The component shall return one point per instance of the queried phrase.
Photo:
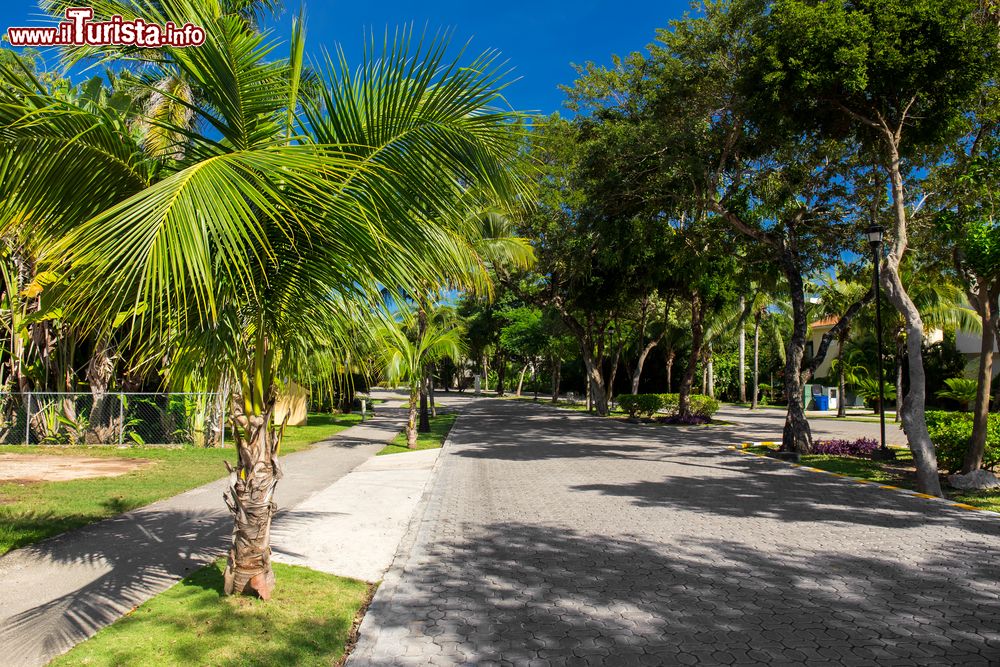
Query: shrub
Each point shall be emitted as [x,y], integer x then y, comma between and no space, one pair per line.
[703,406]
[961,390]
[640,404]
[859,447]
[951,433]
[670,403]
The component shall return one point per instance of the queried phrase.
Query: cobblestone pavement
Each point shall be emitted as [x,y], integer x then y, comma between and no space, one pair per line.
[552,537]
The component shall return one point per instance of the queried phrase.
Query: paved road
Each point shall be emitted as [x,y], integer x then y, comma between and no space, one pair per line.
[552,537]
[60,591]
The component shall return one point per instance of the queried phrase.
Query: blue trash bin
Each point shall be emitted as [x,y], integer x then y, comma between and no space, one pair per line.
[822,402]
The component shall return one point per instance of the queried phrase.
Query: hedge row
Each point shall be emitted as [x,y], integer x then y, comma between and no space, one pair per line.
[951,433]
[650,404]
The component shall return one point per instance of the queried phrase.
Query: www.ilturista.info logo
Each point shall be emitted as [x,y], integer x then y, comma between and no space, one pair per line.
[79,30]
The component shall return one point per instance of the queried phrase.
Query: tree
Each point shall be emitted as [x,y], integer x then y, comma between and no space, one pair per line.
[406,347]
[894,77]
[836,296]
[270,235]
[969,225]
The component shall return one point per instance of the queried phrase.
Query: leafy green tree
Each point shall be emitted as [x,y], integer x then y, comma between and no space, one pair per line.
[894,77]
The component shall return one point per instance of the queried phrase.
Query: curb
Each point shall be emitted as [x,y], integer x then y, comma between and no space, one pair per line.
[380,606]
[743,446]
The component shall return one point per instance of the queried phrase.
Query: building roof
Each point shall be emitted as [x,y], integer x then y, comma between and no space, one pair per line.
[826,321]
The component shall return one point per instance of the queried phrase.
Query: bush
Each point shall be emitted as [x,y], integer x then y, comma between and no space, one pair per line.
[640,404]
[703,406]
[670,403]
[951,433]
[859,447]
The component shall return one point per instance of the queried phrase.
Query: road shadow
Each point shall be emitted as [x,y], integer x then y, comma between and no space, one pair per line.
[517,592]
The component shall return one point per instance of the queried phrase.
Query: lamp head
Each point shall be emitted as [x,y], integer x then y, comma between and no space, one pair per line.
[874,234]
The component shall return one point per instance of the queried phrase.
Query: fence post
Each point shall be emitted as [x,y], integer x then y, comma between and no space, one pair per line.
[121,419]
[27,419]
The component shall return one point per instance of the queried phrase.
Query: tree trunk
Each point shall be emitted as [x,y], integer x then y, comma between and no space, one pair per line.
[425,421]
[250,498]
[986,304]
[501,365]
[637,374]
[598,395]
[743,355]
[105,425]
[697,336]
[900,355]
[486,374]
[411,420]
[796,435]
[710,369]
[520,380]
[841,380]
[430,393]
[912,413]
[756,359]
[671,354]
[614,373]
[556,377]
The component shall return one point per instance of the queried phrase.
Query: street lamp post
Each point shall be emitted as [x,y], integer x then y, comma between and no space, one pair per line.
[875,239]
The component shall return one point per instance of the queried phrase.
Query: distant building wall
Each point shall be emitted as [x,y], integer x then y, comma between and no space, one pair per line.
[294,401]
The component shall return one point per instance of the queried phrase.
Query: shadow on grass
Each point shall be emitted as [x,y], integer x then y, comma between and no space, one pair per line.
[125,559]
[307,622]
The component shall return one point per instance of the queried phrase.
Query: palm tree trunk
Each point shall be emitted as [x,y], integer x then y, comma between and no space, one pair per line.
[841,380]
[430,393]
[250,498]
[756,360]
[411,421]
[743,354]
[425,422]
[710,370]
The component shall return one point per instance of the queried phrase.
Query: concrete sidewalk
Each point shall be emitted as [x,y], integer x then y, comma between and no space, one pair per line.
[353,527]
[62,590]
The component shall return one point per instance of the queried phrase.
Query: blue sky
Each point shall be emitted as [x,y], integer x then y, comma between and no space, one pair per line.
[539,40]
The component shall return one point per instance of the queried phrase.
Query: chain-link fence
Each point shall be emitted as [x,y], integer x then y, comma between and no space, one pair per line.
[112,418]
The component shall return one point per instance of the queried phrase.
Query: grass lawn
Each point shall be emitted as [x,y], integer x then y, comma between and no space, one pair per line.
[895,473]
[33,511]
[307,622]
[440,426]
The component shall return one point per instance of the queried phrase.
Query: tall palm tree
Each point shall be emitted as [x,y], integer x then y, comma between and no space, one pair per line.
[269,235]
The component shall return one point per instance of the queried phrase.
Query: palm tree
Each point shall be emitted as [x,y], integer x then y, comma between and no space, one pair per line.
[267,237]
[836,296]
[406,348]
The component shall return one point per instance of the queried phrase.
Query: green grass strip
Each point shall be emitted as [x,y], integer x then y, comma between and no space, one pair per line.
[307,623]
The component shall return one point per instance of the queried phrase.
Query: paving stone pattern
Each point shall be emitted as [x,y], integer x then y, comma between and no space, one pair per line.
[554,538]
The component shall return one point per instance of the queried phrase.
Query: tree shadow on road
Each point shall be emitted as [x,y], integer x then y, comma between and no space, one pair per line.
[517,592]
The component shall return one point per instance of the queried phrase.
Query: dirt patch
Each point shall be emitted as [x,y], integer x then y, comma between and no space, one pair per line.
[42,468]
